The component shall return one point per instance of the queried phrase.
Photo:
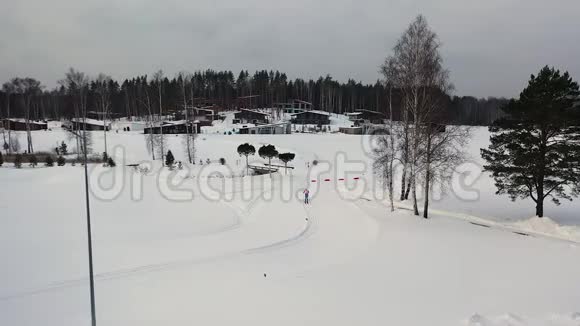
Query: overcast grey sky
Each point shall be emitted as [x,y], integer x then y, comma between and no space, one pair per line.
[491,47]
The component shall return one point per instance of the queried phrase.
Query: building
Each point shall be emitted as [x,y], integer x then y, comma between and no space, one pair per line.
[174,127]
[251,116]
[312,117]
[99,115]
[90,124]
[269,129]
[295,106]
[20,124]
[365,129]
[351,130]
[367,116]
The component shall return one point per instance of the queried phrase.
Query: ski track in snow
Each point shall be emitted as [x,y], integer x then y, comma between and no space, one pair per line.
[129,272]
[510,319]
[310,228]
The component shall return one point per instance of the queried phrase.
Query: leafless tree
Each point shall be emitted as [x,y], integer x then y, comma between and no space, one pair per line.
[158,78]
[76,84]
[150,124]
[103,98]
[441,152]
[29,89]
[386,154]
[8,89]
[416,69]
[189,137]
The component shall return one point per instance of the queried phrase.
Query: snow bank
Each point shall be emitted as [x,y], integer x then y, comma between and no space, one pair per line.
[548,227]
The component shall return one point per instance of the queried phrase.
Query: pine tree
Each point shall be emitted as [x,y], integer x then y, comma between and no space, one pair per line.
[60,161]
[535,150]
[169,159]
[110,162]
[286,157]
[246,150]
[269,152]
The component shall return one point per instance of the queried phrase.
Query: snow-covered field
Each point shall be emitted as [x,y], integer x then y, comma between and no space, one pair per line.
[194,248]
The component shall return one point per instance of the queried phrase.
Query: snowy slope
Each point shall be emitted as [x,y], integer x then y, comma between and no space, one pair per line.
[255,255]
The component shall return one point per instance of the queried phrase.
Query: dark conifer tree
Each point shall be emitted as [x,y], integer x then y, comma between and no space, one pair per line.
[268,152]
[169,159]
[286,157]
[246,150]
[535,149]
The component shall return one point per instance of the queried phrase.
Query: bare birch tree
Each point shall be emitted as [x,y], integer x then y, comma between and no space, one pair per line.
[386,154]
[8,89]
[189,137]
[77,83]
[28,89]
[158,78]
[150,138]
[416,69]
[103,98]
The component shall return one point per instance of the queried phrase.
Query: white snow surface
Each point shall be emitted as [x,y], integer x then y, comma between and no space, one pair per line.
[257,256]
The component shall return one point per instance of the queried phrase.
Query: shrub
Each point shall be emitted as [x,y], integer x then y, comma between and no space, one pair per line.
[222,161]
[169,159]
[60,161]
[111,162]
[49,161]
[1,159]
[18,161]
[63,148]
[33,160]
[315,162]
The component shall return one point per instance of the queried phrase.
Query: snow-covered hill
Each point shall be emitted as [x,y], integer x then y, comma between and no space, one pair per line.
[192,247]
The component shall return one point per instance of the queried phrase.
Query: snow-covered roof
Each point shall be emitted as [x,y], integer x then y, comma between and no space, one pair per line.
[255,111]
[32,122]
[370,111]
[353,113]
[177,122]
[266,125]
[313,111]
[89,121]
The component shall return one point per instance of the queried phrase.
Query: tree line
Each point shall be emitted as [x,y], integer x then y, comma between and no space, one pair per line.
[135,97]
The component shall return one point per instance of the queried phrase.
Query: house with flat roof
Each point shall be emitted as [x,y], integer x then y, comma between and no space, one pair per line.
[282,128]
[174,127]
[251,116]
[20,124]
[90,124]
[312,117]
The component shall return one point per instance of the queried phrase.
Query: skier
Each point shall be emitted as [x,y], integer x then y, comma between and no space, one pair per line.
[306,194]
